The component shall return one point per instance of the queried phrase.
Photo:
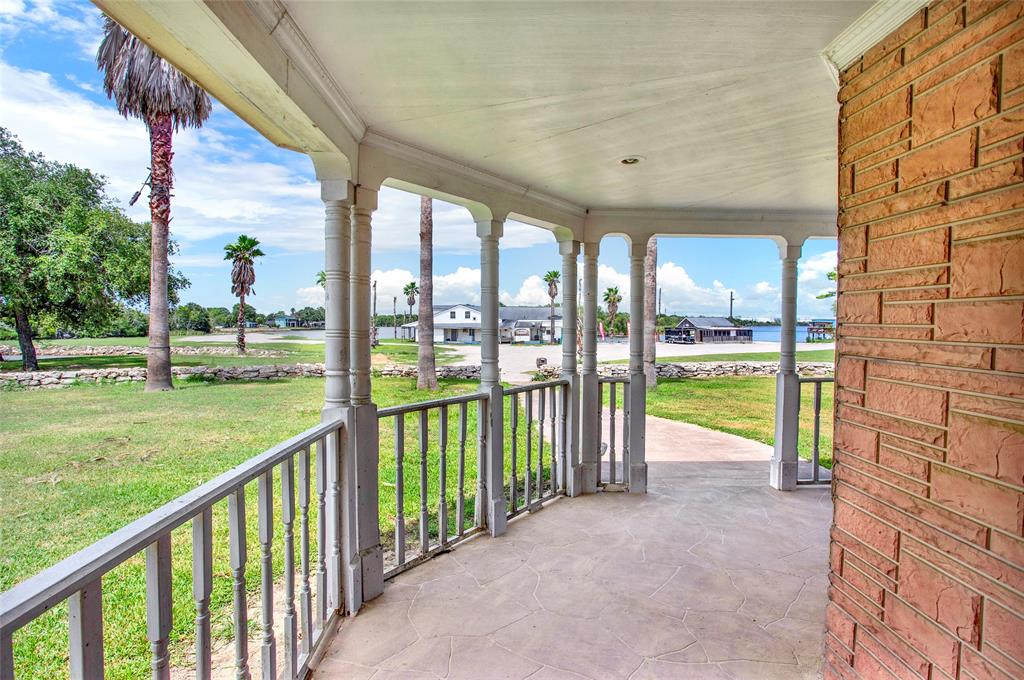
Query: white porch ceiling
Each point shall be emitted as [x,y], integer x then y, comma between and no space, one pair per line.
[729,102]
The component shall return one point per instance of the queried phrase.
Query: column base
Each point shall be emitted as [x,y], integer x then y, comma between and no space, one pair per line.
[787,425]
[590,434]
[371,555]
[494,479]
[638,478]
[782,474]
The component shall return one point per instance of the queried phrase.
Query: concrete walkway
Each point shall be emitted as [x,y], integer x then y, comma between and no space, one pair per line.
[710,575]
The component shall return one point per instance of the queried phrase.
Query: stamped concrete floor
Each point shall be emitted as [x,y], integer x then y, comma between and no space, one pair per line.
[709,575]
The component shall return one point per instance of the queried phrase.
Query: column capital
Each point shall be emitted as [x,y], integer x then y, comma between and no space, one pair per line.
[340,190]
[569,247]
[365,199]
[638,247]
[490,228]
[790,252]
[591,248]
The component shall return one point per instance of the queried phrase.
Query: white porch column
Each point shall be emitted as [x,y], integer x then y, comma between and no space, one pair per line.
[784,462]
[637,379]
[492,491]
[364,410]
[590,432]
[570,250]
[343,571]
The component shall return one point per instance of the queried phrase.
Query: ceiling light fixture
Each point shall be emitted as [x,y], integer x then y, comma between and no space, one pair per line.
[631,160]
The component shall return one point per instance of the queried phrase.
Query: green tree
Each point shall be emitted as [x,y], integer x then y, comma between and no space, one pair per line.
[67,253]
[250,315]
[832,276]
[220,317]
[243,254]
[150,89]
[612,298]
[552,278]
[191,317]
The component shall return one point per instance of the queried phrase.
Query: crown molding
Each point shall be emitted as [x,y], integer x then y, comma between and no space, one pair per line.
[880,20]
[431,160]
[282,28]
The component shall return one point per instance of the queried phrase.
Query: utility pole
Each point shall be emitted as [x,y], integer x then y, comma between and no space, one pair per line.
[660,291]
[394,315]
[730,304]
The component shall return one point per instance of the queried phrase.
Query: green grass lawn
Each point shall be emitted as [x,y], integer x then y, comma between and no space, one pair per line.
[79,463]
[743,406]
[292,353]
[806,355]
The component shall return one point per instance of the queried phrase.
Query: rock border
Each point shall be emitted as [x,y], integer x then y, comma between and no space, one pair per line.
[56,379]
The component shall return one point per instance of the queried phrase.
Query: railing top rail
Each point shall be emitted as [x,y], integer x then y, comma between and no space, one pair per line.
[535,386]
[611,379]
[432,403]
[817,379]
[35,595]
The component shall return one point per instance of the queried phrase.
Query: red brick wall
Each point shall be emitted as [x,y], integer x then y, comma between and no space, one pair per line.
[927,559]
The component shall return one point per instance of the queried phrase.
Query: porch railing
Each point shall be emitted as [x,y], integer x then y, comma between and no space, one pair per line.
[613,450]
[815,477]
[447,530]
[78,579]
[532,409]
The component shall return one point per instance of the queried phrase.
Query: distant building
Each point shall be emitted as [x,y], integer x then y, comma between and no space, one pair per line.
[461,324]
[709,329]
[821,329]
[286,321]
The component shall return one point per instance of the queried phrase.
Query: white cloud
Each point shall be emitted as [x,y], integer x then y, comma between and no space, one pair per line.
[80,21]
[220,189]
[313,296]
[461,285]
[532,292]
[764,288]
[817,266]
[398,218]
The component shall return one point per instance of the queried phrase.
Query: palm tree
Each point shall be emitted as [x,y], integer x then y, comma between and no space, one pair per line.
[147,87]
[242,254]
[426,370]
[650,327]
[321,279]
[410,291]
[612,298]
[552,278]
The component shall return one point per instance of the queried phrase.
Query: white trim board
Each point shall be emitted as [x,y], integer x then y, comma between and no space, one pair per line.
[883,18]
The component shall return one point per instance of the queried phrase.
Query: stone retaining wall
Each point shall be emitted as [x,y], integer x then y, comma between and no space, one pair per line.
[51,379]
[128,350]
[450,372]
[704,369]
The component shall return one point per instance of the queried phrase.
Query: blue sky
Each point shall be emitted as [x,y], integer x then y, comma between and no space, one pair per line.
[230,180]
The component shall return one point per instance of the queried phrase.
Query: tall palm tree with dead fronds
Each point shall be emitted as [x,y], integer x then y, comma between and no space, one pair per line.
[552,278]
[612,298]
[426,365]
[145,86]
[243,254]
[650,321]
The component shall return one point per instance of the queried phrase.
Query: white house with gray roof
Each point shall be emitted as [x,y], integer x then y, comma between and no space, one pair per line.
[461,324]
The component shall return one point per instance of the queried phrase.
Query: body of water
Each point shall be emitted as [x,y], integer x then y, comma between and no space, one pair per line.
[774,333]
